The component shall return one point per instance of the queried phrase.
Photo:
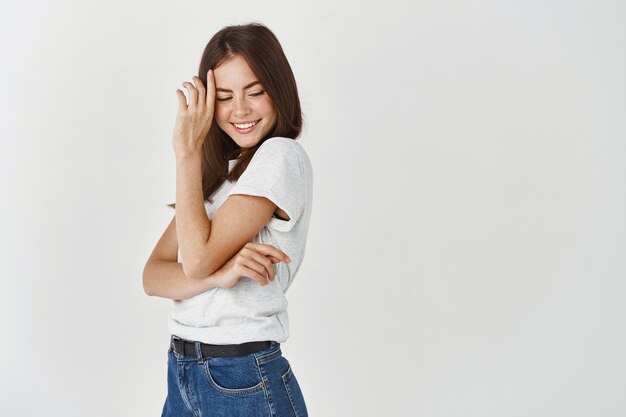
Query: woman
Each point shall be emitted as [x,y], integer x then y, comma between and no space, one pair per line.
[243,204]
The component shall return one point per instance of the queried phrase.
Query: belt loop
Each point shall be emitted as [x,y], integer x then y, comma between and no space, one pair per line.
[173,340]
[198,351]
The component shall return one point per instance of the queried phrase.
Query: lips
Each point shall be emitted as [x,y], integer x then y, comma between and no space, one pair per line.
[248,129]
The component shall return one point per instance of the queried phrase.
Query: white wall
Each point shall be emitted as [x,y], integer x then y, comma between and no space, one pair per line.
[466,255]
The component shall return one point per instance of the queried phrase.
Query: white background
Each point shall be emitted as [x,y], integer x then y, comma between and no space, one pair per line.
[467,250]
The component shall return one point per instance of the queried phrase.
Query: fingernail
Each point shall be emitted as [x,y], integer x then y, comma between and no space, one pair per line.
[288,259]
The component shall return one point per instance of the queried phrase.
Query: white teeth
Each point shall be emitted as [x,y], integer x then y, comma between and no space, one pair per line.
[244,126]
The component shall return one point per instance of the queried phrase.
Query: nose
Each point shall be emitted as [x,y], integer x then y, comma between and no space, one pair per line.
[241,107]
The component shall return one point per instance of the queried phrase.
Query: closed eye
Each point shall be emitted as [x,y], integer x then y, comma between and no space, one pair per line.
[228,98]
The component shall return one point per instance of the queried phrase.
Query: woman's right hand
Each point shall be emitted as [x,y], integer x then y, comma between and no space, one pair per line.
[255,261]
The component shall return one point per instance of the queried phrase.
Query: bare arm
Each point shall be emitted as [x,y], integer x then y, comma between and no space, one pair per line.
[166,279]
[206,245]
[193,225]
[163,276]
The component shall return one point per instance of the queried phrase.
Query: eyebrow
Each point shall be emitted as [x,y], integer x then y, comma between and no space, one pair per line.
[252,84]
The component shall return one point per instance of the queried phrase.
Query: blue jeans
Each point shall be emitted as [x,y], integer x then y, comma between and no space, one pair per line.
[257,384]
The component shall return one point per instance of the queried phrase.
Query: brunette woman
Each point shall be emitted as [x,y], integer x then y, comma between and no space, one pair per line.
[238,237]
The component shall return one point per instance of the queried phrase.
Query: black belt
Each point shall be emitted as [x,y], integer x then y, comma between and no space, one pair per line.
[188,348]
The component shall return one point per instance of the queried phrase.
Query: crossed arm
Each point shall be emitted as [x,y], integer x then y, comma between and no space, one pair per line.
[206,244]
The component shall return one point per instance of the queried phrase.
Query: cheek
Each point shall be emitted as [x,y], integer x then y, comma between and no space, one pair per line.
[264,106]
[221,114]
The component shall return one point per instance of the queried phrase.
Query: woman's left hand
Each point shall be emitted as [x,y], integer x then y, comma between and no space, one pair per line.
[194,119]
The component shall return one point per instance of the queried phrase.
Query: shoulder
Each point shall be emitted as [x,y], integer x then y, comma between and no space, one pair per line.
[281,144]
[285,148]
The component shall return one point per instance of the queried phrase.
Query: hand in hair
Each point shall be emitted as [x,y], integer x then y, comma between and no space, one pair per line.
[195,115]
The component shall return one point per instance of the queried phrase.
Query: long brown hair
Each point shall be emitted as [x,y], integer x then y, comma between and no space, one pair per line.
[258,45]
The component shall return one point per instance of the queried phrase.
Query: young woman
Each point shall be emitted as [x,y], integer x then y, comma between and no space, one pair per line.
[236,242]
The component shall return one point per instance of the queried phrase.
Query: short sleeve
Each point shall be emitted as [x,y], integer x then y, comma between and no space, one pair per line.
[276,173]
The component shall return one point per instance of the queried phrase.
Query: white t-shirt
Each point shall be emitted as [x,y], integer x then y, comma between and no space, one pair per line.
[281,171]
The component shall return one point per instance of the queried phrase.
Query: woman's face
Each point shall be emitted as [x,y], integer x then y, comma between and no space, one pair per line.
[242,107]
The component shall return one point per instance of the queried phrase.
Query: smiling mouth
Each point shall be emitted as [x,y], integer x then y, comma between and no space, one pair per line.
[245,125]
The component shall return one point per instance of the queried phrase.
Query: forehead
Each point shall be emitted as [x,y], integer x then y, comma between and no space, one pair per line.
[234,73]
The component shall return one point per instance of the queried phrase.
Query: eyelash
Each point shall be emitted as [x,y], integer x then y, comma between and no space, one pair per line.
[253,95]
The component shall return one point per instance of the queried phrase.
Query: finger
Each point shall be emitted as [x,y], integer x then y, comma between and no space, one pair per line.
[182,100]
[274,259]
[193,94]
[210,88]
[201,90]
[270,250]
[250,270]
[261,261]
[265,262]
[255,266]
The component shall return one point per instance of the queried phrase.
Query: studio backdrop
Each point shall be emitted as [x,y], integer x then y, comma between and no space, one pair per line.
[467,248]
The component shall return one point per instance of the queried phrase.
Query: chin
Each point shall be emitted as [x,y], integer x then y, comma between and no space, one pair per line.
[245,142]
